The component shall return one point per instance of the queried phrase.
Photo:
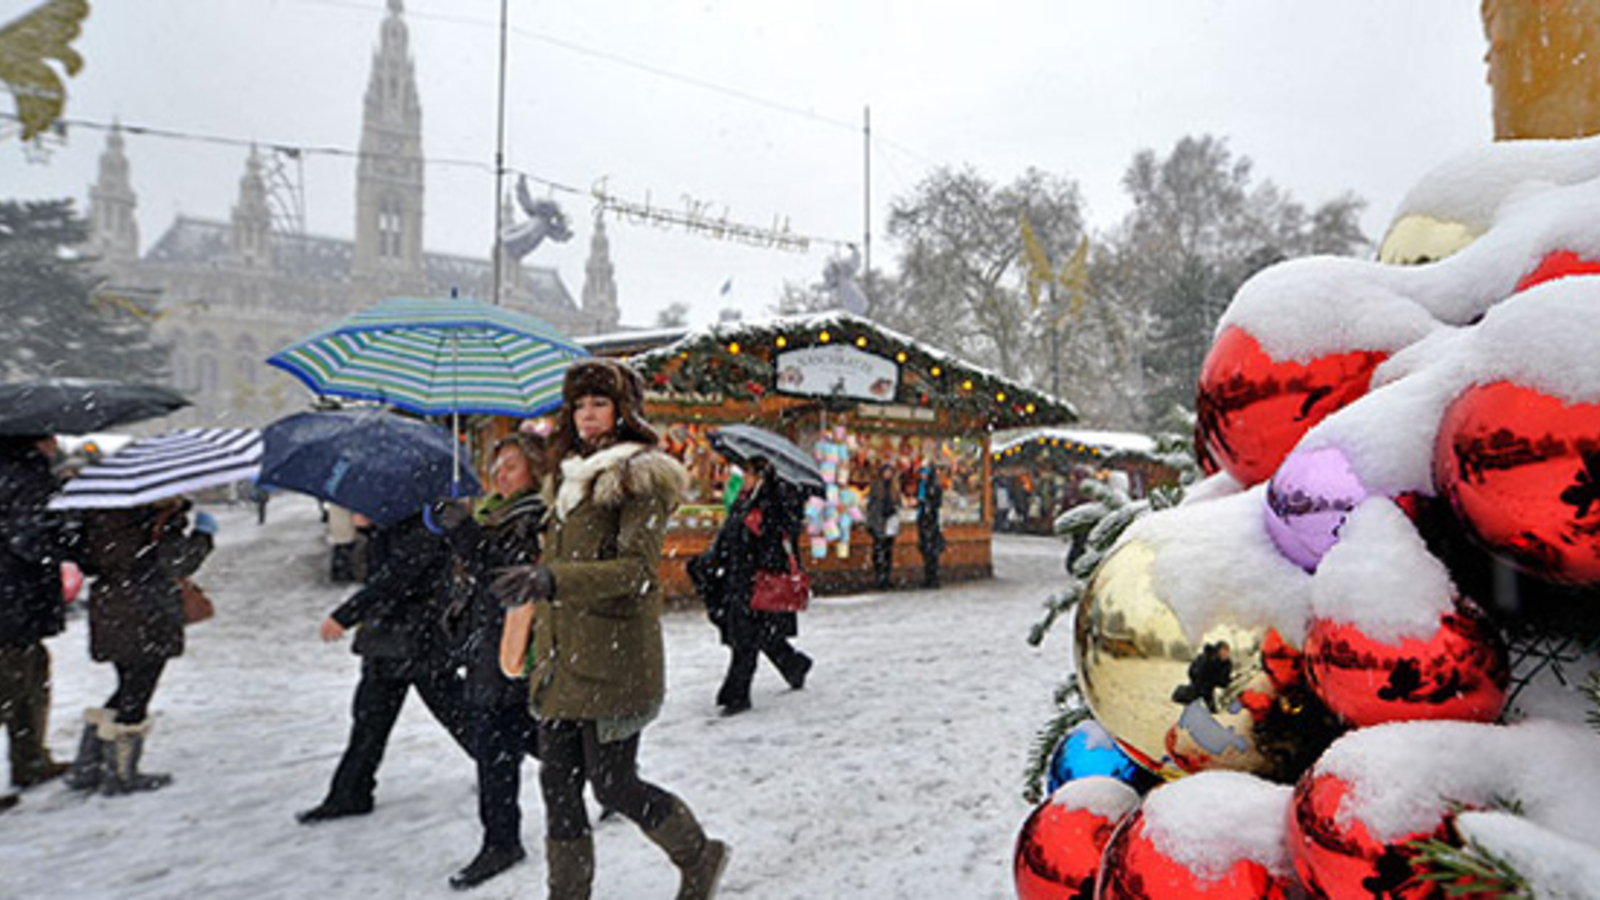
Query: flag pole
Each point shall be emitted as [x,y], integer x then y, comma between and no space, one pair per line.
[499,161]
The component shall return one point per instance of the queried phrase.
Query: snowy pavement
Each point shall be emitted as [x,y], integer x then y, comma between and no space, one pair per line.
[896,773]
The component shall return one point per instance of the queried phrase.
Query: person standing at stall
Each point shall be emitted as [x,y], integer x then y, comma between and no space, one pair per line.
[761,532]
[503,531]
[883,523]
[930,534]
[597,673]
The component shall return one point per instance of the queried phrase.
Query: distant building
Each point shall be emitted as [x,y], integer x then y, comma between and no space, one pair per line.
[227,294]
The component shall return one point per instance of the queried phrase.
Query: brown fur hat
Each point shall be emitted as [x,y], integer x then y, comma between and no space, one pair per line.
[616,380]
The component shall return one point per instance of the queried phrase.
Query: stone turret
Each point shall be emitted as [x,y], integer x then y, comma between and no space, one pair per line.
[388,256]
[113,230]
[252,218]
[599,285]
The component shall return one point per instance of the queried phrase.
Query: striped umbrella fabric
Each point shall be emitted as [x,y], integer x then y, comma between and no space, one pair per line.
[167,465]
[437,356]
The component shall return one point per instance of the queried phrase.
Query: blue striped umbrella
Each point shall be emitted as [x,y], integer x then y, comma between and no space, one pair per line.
[437,356]
[167,465]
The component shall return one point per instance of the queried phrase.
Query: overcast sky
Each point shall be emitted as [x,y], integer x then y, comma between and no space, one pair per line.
[755,107]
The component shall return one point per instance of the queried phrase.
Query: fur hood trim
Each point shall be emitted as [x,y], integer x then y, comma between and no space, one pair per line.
[610,476]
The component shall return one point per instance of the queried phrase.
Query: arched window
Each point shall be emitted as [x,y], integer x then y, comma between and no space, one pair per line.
[389,228]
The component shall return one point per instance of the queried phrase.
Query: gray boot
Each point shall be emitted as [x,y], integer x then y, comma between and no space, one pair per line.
[88,770]
[570,866]
[700,860]
[126,746]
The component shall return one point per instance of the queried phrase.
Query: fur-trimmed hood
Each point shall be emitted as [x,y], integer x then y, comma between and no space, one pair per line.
[610,476]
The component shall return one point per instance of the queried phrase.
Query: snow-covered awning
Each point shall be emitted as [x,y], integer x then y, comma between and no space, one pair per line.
[1107,444]
[735,360]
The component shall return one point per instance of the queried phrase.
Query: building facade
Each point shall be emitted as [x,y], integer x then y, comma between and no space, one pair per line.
[226,294]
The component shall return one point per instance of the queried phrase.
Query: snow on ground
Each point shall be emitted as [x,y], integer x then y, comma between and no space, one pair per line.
[896,773]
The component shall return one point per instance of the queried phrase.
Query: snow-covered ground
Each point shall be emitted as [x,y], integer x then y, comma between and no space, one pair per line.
[896,773]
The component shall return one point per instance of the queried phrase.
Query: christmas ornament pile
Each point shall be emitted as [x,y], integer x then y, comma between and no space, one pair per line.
[1314,651]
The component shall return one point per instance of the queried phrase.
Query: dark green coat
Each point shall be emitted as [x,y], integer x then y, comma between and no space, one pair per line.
[597,648]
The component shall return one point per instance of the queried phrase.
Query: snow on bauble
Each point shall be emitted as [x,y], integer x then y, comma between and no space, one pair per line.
[1059,848]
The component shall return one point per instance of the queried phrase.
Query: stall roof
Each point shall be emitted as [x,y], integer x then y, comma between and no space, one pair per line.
[735,360]
[1110,444]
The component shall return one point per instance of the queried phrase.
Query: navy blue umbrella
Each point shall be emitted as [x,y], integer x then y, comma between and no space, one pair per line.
[380,465]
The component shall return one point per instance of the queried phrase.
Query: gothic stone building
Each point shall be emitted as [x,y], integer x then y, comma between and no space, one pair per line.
[227,294]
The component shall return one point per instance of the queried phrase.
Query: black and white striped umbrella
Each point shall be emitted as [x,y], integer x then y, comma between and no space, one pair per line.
[167,465]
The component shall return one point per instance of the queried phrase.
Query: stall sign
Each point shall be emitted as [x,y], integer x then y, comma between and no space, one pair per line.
[837,372]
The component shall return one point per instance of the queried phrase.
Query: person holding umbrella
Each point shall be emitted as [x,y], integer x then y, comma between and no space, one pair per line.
[593,606]
[761,531]
[33,544]
[503,531]
[137,555]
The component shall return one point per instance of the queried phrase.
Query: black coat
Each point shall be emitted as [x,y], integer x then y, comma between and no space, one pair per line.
[401,606]
[136,556]
[725,574]
[507,536]
[33,543]
[930,535]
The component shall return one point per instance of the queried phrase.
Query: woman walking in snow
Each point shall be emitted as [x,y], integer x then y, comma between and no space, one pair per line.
[137,556]
[593,605]
[761,532]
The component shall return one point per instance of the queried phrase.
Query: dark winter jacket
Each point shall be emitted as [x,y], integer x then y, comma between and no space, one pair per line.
[930,534]
[597,646]
[506,533]
[137,556]
[401,606]
[883,503]
[761,530]
[33,544]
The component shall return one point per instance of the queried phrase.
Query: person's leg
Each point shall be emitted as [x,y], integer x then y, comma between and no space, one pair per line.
[136,685]
[373,712]
[129,726]
[499,742]
[444,692]
[790,663]
[25,708]
[734,695]
[568,845]
[882,560]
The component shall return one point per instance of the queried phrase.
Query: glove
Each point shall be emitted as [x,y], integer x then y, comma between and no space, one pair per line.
[205,523]
[516,585]
[441,516]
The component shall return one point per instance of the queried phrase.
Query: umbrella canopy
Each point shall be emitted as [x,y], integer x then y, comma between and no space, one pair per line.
[80,405]
[378,464]
[437,356]
[742,443]
[167,465]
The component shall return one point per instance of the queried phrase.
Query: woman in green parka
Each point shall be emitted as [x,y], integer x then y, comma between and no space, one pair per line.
[593,609]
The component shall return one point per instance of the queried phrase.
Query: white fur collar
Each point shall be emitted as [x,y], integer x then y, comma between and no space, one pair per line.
[579,472]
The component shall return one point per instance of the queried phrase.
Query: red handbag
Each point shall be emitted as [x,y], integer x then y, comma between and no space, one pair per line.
[781,592]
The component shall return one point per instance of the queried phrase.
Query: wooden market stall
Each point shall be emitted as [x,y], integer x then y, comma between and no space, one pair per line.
[855,394]
[1035,474]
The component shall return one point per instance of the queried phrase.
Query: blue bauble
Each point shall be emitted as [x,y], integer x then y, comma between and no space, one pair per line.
[1088,749]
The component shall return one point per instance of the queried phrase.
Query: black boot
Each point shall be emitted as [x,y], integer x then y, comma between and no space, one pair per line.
[89,769]
[122,776]
[333,809]
[9,800]
[490,861]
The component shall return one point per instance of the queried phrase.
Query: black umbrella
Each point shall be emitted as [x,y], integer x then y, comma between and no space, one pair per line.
[378,464]
[743,443]
[80,405]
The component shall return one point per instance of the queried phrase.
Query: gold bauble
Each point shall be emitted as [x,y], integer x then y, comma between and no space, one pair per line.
[1133,657]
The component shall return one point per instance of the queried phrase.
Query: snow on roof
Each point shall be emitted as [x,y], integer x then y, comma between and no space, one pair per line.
[1109,443]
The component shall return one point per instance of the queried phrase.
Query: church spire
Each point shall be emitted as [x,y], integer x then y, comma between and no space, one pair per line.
[389,178]
[113,232]
[599,287]
[252,216]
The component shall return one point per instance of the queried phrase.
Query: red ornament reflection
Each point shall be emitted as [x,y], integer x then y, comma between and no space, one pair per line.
[1252,410]
[1058,852]
[1133,869]
[1559,264]
[1337,856]
[1461,672]
[1522,471]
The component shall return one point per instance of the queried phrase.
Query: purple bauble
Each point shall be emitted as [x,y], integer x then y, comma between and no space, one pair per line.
[1307,501]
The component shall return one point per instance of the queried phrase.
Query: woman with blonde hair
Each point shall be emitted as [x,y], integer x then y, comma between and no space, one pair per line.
[593,609]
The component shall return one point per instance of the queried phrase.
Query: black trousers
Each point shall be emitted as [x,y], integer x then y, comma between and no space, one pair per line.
[25,706]
[882,559]
[501,736]
[379,697]
[735,690]
[570,753]
[136,684]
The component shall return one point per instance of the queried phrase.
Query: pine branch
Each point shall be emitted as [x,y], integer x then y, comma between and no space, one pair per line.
[1469,870]
[1591,689]
[1071,709]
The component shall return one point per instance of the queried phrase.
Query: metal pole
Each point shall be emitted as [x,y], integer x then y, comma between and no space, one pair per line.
[499,159]
[866,191]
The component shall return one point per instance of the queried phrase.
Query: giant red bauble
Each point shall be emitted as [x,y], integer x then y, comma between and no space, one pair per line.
[1521,469]
[1251,409]
[1058,850]
[1134,869]
[1461,672]
[1558,264]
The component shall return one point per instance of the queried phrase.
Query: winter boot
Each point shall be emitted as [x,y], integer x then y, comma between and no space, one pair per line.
[9,800]
[700,860]
[89,769]
[122,774]
[490,861]
[570,866]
